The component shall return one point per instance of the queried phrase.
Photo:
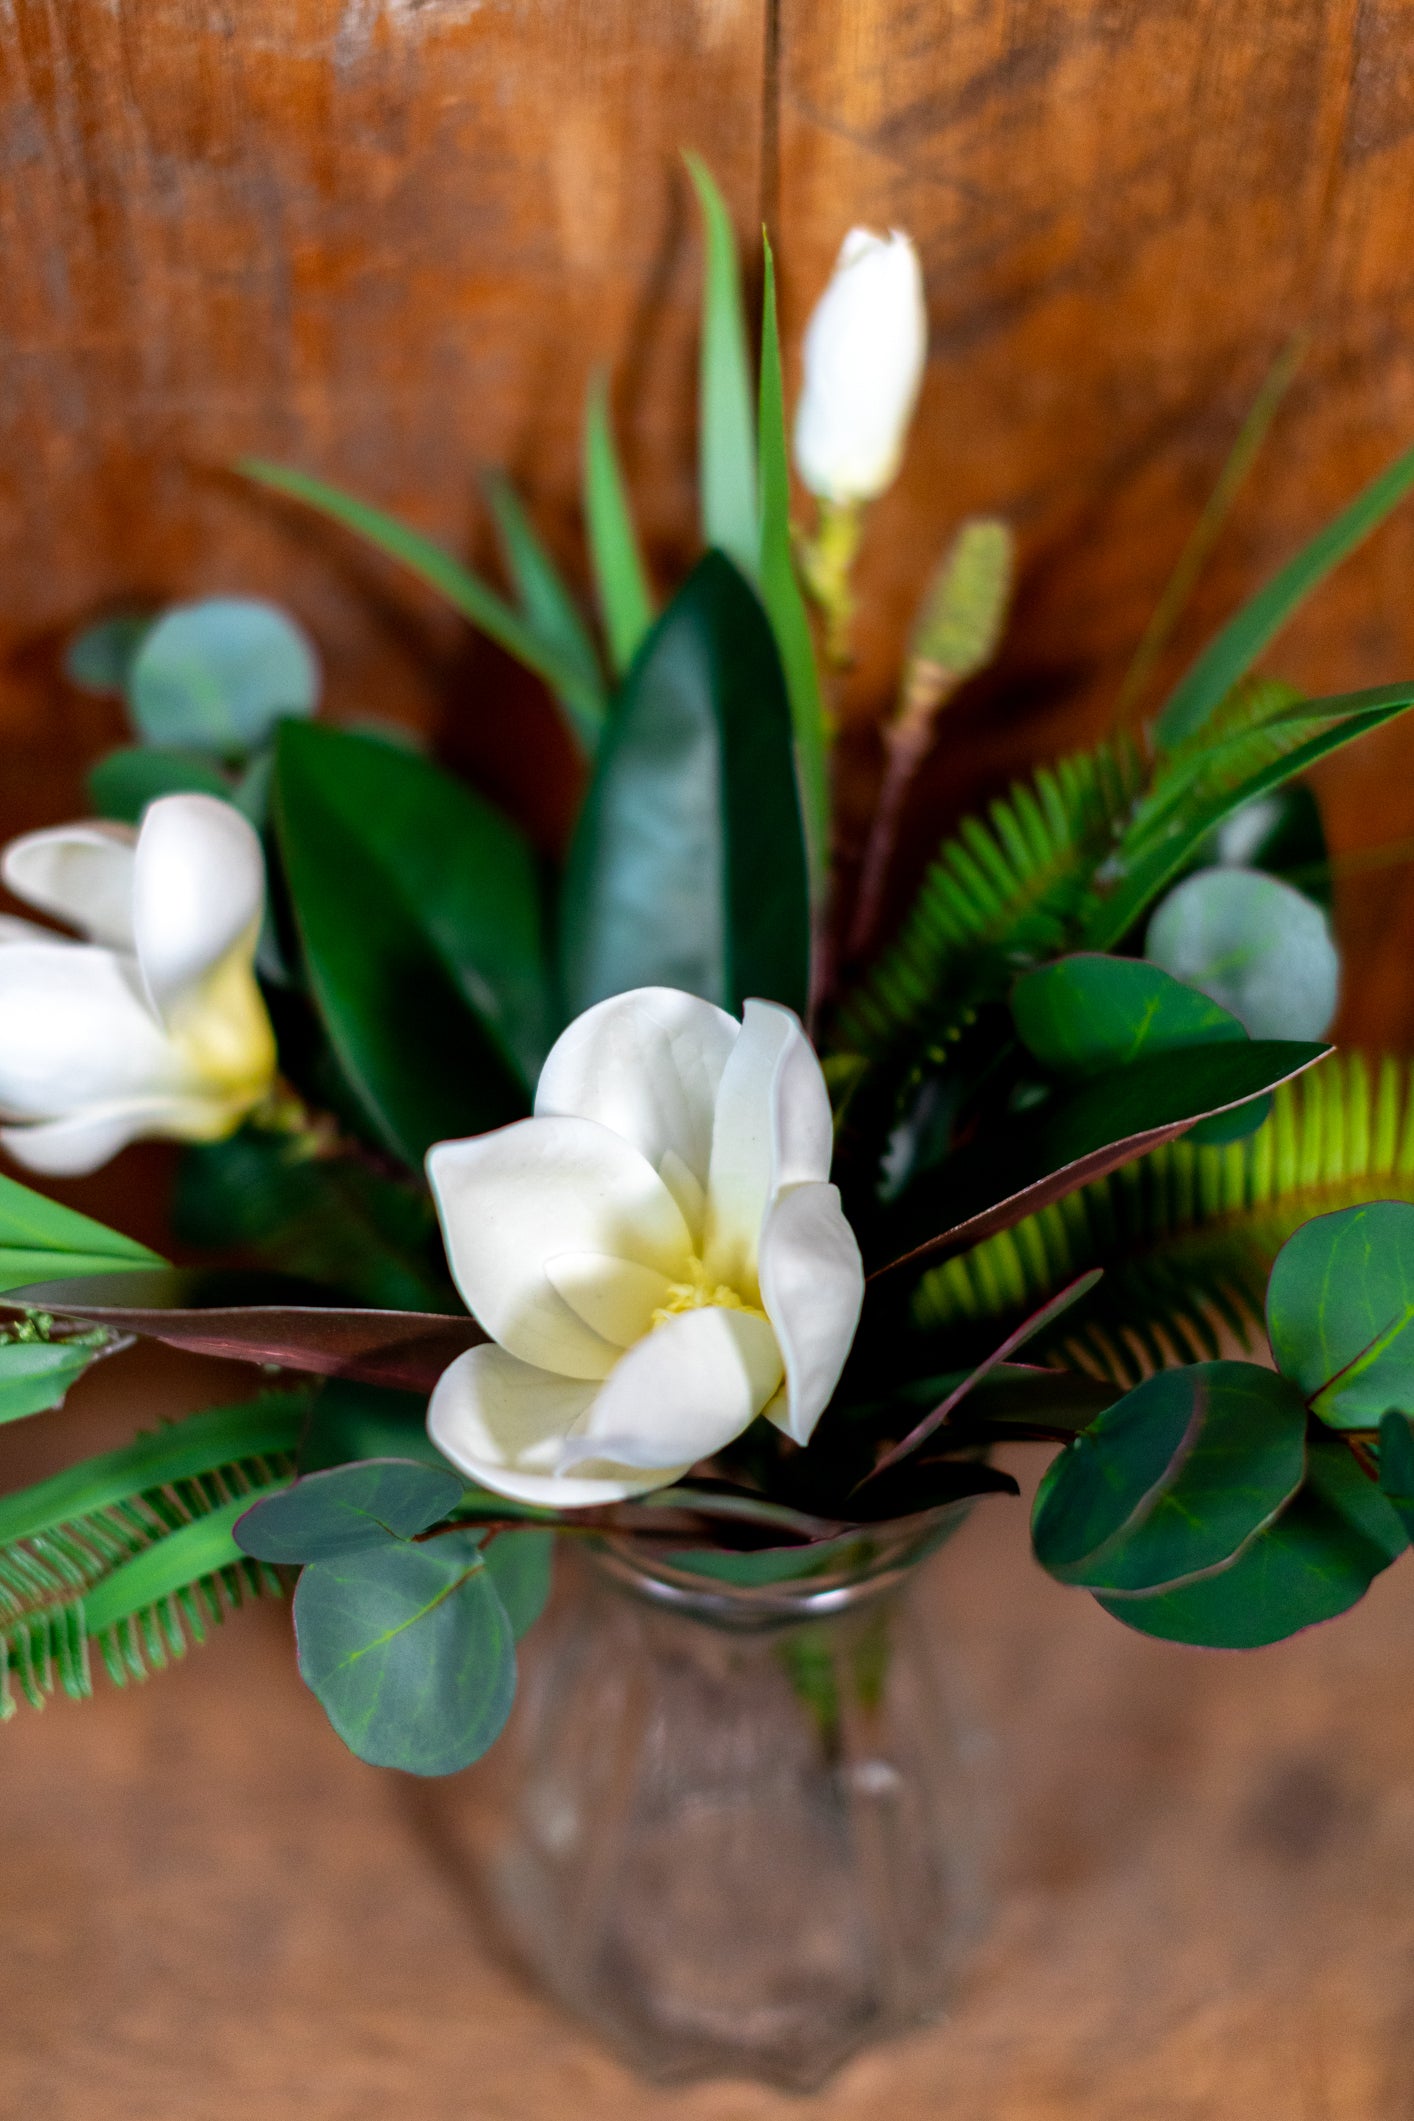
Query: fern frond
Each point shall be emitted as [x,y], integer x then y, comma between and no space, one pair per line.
[1236,740]
[1002,893]
[1187,1234]
[131,1553]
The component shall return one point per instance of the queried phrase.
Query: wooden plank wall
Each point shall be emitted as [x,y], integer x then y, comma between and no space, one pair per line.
[389,240]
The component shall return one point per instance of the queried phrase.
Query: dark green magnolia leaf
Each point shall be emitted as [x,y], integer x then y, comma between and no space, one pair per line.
[99,658]
[352,1421]
[217,676]
[1397,1466]
[1340,1309]
[36,1374]
[410,897]
[1173,1479]
[347,1509]
[122,785]
[1086,1014]
[1106,1121]
[688,864]
[1318,1559]
[1253,945]
[519,1566]
[40,1240]
[409,1651]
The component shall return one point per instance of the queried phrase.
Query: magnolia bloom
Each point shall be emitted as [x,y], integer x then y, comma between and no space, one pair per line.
[865,347]
[153,1024]
[657,1255]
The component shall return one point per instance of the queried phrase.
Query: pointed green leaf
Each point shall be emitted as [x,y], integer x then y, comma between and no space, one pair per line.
[551,611]
[1340,1312]
[781,594]
[40,1241]
[1237,647]
[726,422]
[417,915]
[36,1374]
[688,864]
[348,1508]
[409,1651]
[1083,1014]
[620,579]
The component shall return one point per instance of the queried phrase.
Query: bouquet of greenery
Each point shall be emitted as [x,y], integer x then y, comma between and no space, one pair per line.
[655,1198]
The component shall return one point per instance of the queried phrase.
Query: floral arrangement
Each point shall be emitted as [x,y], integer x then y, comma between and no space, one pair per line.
[668,1196]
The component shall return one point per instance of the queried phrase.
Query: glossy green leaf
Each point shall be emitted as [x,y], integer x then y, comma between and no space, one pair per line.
[42,1241]
[1255,946]
[99,658]
[216,676]
[1084,1014]
[416,910]
[688,864]
[519,1565]
[551,611]
[1340,1312]
[782,596]
[427,560]
[409,1651]
[1397,1466]
[123,783]
[726,453]
[349,1508]
[1173,1479]
[1242,640]
[620,578]
[1284,747]
[1317,1559]
[352,1421]
[36,1374]
[1104,1122]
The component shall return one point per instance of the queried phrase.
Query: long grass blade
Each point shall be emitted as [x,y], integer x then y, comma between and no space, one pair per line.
[548,607]
[620,578]
[727,426]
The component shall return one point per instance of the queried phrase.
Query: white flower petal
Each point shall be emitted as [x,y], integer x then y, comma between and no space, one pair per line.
[688,1191]
[75,1032]
[616,1298]
[864,353]
[646,1064]
[503,1422]
[198,889]
[812,1285]
[71,1148]
[772,1128]
[695,1383]
[512,1200]
[82,874]
[13,930]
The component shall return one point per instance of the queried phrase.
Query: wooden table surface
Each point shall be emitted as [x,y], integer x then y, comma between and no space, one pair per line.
[1204,1884]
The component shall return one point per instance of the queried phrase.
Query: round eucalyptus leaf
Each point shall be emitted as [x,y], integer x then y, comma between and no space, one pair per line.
[1255,946]
[1173,1479]
[1340,1312]
[347,1509]
[123,783]
[519,1566]
[217,676]
[99,658]
[409,1651]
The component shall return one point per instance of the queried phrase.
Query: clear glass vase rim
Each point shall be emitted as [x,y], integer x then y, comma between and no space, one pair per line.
[874,1566]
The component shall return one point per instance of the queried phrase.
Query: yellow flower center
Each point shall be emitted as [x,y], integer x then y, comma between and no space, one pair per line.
[697,1293]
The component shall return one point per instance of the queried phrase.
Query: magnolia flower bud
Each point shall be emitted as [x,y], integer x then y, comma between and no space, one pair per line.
[153,1024]
[865,347]
[657,1255]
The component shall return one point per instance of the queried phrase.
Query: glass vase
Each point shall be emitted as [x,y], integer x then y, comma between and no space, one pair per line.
[741,1837]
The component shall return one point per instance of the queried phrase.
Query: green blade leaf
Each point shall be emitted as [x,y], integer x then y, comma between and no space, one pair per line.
[620,579]
[416,910]
[726,426]
[1316,1560]
[36,1374]
[551,611]
[348,1509]
[1084,1014]
[1300,736]
[122,785]
[1255,945]
[41,1241]
[782,596]
[688,864]
[464,591]
[1340,1312]
[1172,1480]
[218,675]
[409,1651]
[1241,641]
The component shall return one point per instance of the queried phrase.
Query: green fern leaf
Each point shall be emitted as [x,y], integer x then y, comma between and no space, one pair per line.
[1002,894]
[131,1553]
[1187,1234]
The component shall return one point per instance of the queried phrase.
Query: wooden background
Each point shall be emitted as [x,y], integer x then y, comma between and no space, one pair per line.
[388,240]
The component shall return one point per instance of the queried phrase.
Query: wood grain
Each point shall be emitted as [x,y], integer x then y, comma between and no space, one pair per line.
[1202,1868]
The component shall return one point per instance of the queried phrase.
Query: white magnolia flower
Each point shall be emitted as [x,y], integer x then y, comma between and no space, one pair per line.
[865,348]
[153,1024]
[658,1255]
